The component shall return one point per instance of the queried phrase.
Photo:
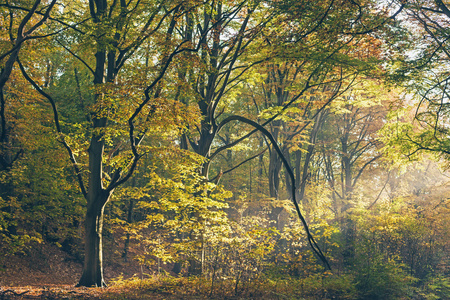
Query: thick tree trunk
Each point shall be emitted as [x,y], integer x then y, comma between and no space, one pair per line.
[92,275]
[97,197]
[6,156]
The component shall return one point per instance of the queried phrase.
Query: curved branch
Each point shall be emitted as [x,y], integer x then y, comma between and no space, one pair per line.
[27,18]
[443,7]
[135,140]
[44,18]
[363,167]
[225,121]
[387,19]
[307,86]
[264,131]
[77,57]
[58,127]
[49,18]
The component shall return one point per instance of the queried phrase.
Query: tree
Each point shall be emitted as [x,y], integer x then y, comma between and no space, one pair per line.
[113,33]
[424,73]
[234,31]
[307,57]
[19,32]
[23,28]
[137,68]
[349,142]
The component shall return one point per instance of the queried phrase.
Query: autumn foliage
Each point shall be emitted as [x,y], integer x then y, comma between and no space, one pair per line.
[225,149]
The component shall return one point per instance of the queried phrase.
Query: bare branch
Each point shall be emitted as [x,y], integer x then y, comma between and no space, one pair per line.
[238,165]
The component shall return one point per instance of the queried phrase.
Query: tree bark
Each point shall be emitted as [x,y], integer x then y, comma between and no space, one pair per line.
[97,198]
[92,275]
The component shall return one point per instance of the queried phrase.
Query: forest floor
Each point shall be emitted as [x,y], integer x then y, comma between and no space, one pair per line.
[47,272]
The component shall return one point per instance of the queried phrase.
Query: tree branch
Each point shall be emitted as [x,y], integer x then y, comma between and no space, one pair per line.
[58,128]
[238,165]
[264,131]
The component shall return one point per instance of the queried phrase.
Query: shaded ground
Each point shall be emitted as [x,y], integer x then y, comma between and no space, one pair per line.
[70,292]
[44,265]
[47,272]
[50,292]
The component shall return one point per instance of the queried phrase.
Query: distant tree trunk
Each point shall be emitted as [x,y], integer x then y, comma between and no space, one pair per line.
[260,166]
[346,168]
[274,162]
[129,221]
[310,151]
[347,224]
[298,171]
[274,174]
[305,173]
[287,154]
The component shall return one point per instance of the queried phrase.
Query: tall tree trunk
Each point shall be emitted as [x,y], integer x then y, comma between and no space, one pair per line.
[347,187]
[92,275]
[298,170]
[97,198]
[6,157]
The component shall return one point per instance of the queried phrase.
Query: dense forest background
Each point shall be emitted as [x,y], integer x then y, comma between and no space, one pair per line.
[247,148]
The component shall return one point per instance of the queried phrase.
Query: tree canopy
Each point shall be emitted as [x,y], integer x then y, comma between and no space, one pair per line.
[238,141]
